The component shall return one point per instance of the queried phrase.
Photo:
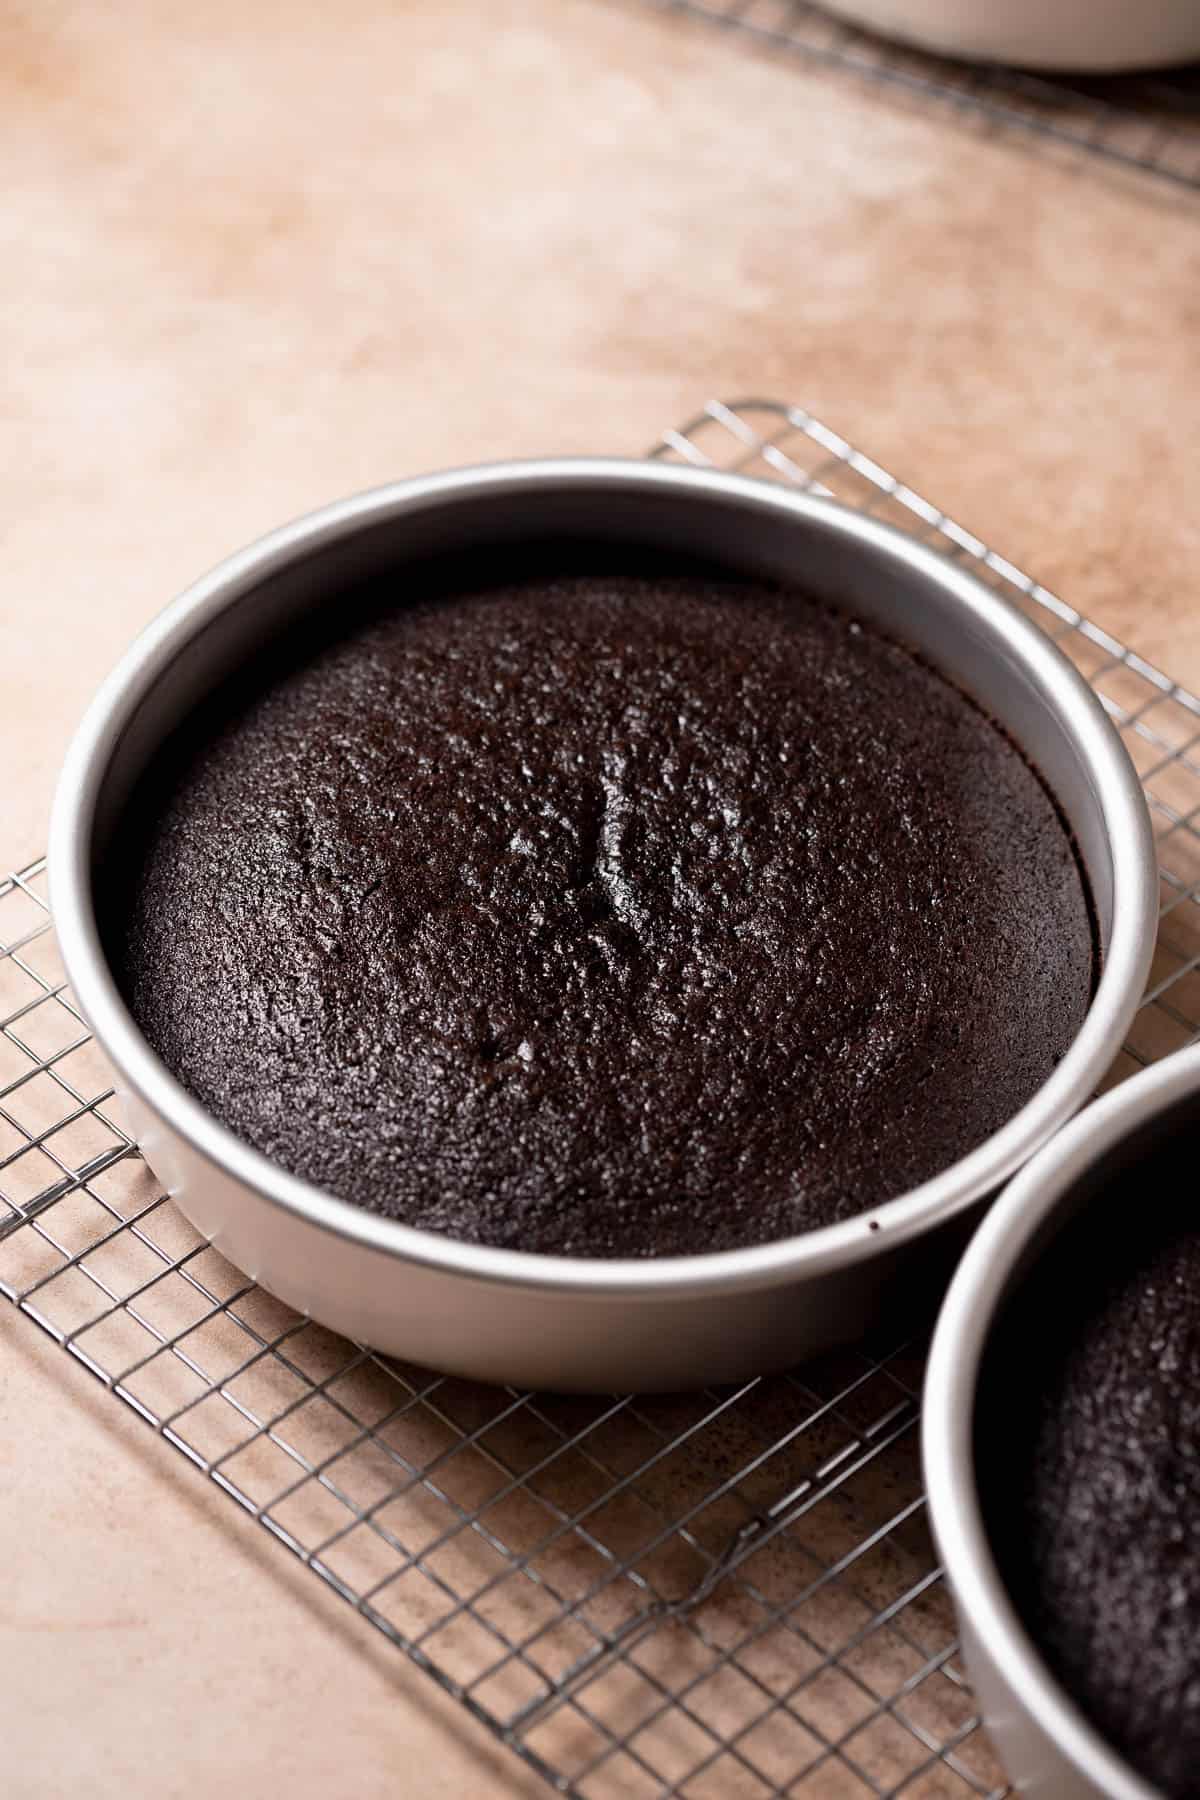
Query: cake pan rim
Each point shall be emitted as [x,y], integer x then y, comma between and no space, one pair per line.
[825,1249]
[965,1322]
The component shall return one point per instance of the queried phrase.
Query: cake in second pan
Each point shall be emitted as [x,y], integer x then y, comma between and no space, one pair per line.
[1090,1463]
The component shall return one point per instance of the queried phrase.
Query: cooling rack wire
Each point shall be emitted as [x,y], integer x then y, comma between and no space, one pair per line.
[1148,122]
[721,1595]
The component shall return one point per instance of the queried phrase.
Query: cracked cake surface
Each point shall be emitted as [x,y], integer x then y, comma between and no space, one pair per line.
[602,914]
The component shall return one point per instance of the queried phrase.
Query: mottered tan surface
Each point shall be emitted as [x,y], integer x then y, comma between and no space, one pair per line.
[255,257]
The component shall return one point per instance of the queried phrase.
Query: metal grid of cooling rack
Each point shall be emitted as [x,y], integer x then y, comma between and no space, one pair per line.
[1149,122]
[717,1595]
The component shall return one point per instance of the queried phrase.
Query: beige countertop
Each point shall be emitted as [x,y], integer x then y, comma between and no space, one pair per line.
[258,256]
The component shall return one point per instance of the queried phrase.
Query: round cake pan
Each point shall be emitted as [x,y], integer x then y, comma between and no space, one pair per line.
[1097,35]
[1047,1745]
[553,1321]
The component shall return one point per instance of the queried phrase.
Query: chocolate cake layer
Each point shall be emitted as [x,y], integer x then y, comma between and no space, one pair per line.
[604,915]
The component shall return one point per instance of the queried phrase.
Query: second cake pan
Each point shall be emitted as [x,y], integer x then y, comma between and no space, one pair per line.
[557,1322]
[1050,1750]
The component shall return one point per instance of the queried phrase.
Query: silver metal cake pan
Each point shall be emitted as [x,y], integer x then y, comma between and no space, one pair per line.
[552,1321]
[1048,1747]
[1100,36]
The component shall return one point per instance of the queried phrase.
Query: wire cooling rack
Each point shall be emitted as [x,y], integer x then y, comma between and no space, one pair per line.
[719,1595]
[1149,122]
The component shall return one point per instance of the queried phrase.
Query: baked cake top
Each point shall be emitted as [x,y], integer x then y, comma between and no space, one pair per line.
[604,915]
